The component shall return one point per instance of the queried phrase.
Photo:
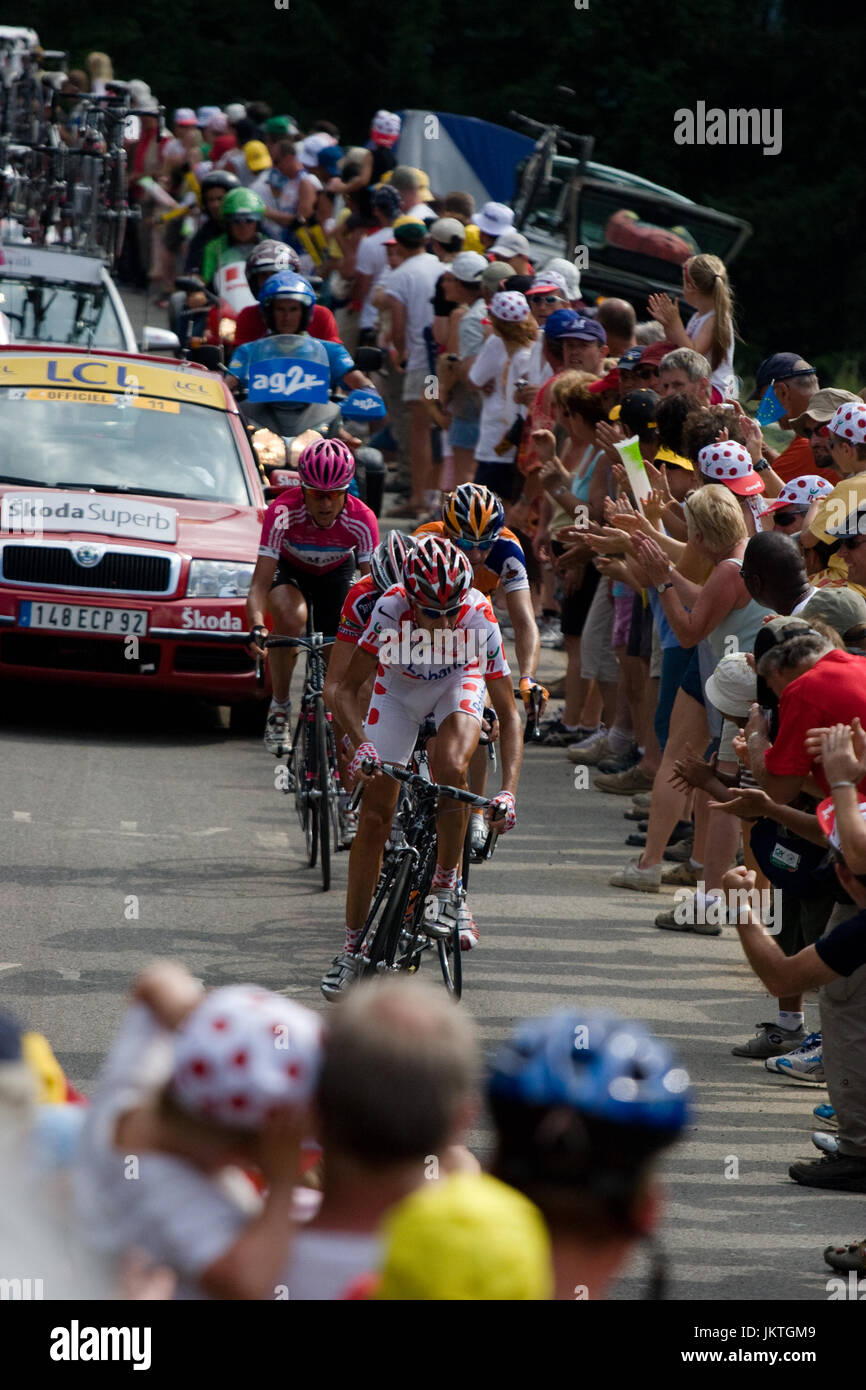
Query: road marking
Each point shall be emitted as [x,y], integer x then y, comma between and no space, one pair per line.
[22,816]
[129,825]
[273,839]
[10,965]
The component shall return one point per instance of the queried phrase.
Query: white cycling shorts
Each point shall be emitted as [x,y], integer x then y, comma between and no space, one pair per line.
[399,706]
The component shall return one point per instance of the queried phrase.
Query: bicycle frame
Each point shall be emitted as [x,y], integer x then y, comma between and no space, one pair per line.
[402,894]
[313,768]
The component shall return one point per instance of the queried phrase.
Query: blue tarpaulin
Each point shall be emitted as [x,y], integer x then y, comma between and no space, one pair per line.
[463,152]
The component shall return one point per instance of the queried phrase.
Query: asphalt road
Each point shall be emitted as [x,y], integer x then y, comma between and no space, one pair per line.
[135,828]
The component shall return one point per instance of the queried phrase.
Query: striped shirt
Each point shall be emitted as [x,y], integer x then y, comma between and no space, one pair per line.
[290,533]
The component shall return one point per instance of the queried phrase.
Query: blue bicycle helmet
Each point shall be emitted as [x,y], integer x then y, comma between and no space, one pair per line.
[287,285]
[582,1103]
[596,1064]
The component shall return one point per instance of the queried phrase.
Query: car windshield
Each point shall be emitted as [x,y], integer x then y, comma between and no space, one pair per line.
[647,235]
[42,311]
[115,443]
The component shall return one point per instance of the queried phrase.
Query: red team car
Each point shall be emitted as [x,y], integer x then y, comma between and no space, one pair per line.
[131,508]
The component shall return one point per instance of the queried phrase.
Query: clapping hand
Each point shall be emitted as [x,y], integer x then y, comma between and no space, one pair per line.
[750,803]
[691,771]
[663,309]
[841,750]
[653,559]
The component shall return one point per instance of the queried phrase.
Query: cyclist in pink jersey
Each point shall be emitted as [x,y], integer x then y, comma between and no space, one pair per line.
[312,538]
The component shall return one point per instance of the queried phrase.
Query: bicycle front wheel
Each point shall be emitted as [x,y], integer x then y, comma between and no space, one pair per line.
[322,784]
[451,963]
[383,946]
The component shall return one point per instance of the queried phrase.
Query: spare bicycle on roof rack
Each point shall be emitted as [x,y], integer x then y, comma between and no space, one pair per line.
[62,155]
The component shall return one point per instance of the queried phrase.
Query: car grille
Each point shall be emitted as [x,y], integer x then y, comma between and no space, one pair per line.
[61,653]
[117,570]
[212,660]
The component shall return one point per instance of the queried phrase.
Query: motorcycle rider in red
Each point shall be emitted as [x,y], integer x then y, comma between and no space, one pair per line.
[266,260]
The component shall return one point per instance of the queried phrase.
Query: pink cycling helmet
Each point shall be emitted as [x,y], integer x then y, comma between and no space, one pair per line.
[327,465]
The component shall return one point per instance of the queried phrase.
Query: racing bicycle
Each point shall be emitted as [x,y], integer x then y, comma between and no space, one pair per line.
[538,169]
[394,935]
[313,773]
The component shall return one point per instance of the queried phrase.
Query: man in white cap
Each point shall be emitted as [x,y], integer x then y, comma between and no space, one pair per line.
[513,247]
[492,221]
[570,274]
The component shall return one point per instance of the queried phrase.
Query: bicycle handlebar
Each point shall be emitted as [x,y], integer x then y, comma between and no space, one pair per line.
[559,132]
[314,642]
[413,779]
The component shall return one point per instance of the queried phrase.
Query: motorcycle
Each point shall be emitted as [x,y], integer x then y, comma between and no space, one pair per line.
[289,394]
[215,322]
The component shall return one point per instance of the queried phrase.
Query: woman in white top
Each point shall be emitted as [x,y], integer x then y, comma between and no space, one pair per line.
[499,366]
[710,330]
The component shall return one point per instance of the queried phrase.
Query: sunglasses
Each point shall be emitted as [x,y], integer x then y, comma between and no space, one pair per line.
[822,431]
[464,544]
[787,518]
[438,612]
[852,542]
[321,493]
[646,373]
[245,220]
[546,299]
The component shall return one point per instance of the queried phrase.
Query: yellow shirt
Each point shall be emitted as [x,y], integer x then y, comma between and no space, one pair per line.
[472,239]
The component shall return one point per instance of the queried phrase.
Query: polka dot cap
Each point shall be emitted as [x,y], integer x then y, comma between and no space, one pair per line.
[510,305]
[730,464]
[243,1054]
[849,422]
[800,492]
[386,123]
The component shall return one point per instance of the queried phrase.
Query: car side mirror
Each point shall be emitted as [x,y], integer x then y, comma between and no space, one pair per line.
[159,340]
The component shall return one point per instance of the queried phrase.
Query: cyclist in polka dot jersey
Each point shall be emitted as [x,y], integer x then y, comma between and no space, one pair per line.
[434,645]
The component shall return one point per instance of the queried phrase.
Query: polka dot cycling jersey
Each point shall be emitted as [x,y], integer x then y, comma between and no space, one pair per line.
[290,533]
[359,604]
[473,645]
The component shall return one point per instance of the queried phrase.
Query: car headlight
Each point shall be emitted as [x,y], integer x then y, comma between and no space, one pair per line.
[218,579]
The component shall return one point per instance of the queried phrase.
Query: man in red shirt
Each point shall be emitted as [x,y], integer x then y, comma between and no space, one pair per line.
[817,686]
[269,257]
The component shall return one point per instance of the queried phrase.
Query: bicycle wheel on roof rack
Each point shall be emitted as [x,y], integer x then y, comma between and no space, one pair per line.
[530,183]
